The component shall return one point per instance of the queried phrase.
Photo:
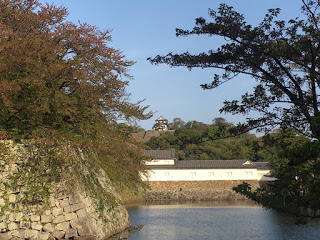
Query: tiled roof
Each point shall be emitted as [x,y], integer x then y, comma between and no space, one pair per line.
[214,164]
[261,165]
[160,154]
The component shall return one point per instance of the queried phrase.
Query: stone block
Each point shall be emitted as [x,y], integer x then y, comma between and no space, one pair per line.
[36,226]
[59,219]
[12,198]
[16,216]
[64,202]
[25,224]
[35,218]
[67,209]
[52,201]
[74,208]
[12,226]
[82,213]
[29,233]
[16,238]
[57,212]
[11,217]
[63,226]
[44,236]
[77,207]
[48,228]
[70,216]
[74,199]
[83,226]
[46,218]
[71,233]
[3,227]
[6,236]
[87,202]
[2,202]
[58,234]
[18,234]
[47,212]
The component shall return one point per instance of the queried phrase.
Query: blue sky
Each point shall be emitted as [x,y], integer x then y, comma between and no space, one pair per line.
[146,28]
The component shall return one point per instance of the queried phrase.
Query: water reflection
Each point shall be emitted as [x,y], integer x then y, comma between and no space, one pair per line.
[216,220]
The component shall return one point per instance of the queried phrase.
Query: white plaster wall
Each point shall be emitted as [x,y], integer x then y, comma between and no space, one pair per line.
[201,174]
[160,162]
[263,175]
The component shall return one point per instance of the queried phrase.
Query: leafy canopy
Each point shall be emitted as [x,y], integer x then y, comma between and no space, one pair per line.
[283,57]
[198,141]
[57,74]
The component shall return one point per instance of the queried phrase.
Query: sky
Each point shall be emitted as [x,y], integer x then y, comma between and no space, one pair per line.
[146,28]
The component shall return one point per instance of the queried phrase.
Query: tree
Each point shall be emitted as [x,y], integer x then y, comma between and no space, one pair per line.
[176,123]
[283,57]
[296,167]
[219,129]
[220,122]
[58,74]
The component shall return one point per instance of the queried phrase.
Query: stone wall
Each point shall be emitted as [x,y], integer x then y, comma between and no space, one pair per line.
[194,190]
[64,213]
[145,136]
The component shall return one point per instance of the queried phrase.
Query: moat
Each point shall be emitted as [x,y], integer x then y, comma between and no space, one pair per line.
[217,220]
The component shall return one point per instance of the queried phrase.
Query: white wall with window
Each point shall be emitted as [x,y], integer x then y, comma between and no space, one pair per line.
[203,174]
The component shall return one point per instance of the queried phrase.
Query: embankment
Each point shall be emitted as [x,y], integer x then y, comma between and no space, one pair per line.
[194,190]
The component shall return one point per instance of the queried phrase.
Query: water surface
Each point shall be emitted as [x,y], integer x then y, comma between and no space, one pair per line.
[218,220]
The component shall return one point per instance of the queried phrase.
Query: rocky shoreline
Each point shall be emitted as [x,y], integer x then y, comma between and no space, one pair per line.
[125,233]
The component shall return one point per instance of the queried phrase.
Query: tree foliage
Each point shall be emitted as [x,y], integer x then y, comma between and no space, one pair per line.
[296,166]
[198,141]
[283,57]
[58,74]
